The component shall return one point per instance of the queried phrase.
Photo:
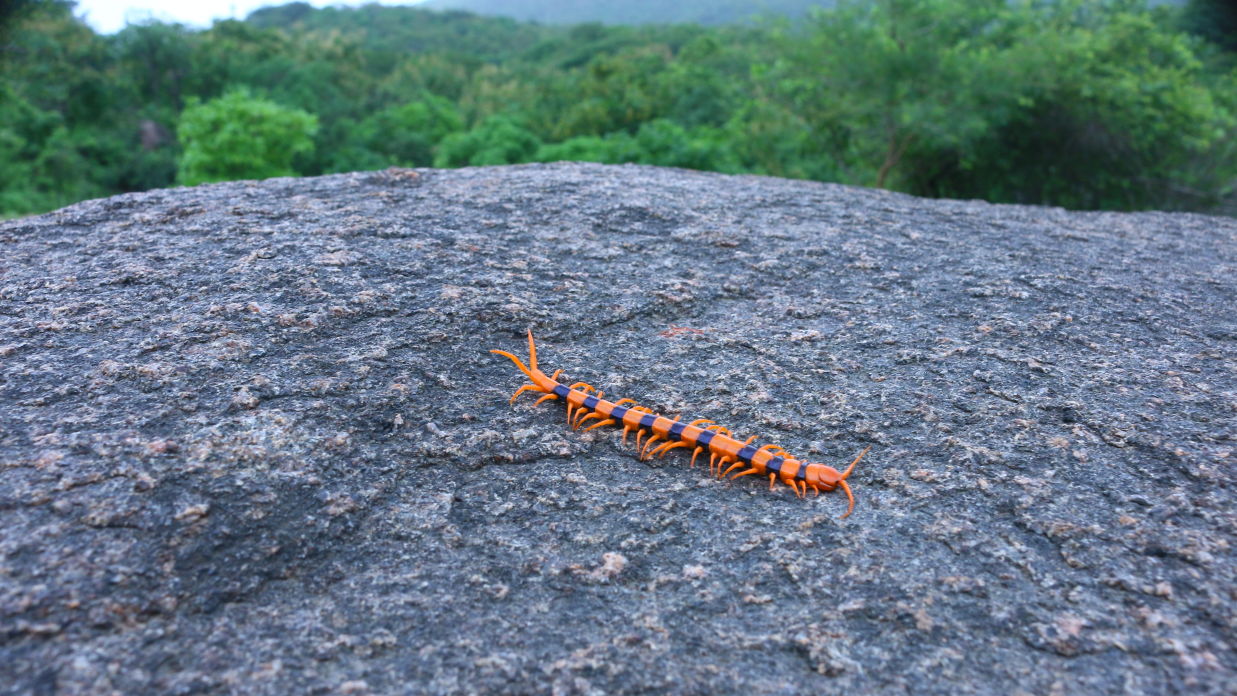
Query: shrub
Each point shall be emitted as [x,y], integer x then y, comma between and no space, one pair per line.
[240,136]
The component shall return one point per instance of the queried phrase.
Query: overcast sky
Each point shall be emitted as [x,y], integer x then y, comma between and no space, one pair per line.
[109,16]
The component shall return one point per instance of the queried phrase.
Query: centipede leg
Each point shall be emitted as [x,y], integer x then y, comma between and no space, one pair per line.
[771,449]
[644,455]
[582,415]
[521,390]
[772,481]
[591,414]
[585,419]
[734,466]
[608,421]
[547,397]
[584,387]
[666,447]
[747,472]
[694,455]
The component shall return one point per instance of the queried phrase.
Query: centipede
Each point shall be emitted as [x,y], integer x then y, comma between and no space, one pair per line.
[656,435]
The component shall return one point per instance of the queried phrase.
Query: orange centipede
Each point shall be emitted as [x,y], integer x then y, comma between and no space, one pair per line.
[726,452]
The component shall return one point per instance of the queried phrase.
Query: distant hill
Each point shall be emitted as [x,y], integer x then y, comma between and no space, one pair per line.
[391,31]
[632,11]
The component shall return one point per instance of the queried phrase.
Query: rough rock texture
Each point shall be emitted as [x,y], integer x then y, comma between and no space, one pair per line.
[253,442]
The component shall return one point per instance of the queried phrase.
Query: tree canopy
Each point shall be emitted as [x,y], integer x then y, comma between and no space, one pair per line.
[1081,103]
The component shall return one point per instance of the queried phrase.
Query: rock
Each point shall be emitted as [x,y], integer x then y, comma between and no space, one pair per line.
[252,440]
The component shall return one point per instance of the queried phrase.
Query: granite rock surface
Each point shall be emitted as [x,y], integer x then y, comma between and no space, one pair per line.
[252,440]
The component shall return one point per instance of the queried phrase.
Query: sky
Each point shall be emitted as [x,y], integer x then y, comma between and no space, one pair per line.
[110,16]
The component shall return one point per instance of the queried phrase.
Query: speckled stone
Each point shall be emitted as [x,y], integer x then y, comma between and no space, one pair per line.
[252,441]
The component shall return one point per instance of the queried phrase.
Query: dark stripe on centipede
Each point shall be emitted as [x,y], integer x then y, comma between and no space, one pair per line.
[618,412]
[561,390]
[647,420]
[676,430]
[591,402]
[705,438]
[746,453]
[775,465]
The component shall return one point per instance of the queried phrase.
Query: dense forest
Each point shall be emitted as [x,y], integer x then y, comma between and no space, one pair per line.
[633,11]
[1080,103]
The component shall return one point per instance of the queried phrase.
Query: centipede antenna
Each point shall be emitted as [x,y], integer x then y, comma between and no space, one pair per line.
[852,464]
[849,497]
[515,360]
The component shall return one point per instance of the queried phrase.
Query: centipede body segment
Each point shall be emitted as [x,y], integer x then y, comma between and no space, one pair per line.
[704,437]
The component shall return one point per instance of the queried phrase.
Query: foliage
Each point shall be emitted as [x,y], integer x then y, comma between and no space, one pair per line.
[661,142]
[1076,104]
[1214,20]
[1082,103]
[498,140]
[239,136]
[402,135]
[631,11]
[1111,112]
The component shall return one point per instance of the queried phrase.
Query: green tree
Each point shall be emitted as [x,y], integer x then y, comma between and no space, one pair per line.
[498,140]
[24,133]
[403,135]
[240,136]
[1214,20]
[1101,107]
[155,59]
[614,92]
[874,78]
[664,142]
[1081,103]
[612,149]
[661,142]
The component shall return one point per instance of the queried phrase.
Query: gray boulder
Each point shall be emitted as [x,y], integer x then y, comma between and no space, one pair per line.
[252,440]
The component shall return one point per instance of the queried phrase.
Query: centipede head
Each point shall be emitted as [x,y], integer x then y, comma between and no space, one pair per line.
[541,382]
[826,478]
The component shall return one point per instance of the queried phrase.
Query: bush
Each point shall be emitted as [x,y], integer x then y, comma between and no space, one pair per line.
[1079,103]
[661,142]
[498,140]
[406,135]
[1111,111]
[239,136]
